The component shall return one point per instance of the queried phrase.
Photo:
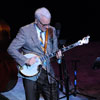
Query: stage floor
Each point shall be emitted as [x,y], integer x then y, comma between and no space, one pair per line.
[17,93]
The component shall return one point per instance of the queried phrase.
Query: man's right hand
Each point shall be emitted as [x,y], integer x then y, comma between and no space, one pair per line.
[31,61]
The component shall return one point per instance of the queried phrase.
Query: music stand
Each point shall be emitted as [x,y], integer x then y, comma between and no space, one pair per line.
[75,92]
[65,82]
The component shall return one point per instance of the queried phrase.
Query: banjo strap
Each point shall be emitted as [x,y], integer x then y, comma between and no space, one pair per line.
[46,41]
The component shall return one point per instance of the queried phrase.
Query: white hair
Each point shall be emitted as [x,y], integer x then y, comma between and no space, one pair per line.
[42,12]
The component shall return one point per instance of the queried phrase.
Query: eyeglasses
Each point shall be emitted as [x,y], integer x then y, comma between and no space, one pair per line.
[43,24]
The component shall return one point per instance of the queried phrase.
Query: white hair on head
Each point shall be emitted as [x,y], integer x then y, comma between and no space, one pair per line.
[42,12]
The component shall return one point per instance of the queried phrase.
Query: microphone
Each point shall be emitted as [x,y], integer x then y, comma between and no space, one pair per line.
[59,61]
[58,29]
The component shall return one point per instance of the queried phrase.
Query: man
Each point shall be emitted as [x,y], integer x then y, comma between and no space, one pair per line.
[28,40]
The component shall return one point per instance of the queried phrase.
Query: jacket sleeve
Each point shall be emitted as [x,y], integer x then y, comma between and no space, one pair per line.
[14,47]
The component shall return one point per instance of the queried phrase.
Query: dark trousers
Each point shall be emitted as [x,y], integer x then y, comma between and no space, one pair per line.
[33,89]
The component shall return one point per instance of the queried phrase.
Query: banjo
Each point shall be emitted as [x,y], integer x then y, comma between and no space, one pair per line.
[34,69]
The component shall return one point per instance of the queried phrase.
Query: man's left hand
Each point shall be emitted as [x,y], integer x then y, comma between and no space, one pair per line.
[59,54]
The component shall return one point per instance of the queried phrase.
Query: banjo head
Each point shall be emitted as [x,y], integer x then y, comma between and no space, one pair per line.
[30,70]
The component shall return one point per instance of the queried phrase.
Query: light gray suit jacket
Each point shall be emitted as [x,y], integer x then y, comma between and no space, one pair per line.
[27,41]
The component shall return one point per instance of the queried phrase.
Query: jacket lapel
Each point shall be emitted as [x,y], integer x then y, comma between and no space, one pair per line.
[34,36]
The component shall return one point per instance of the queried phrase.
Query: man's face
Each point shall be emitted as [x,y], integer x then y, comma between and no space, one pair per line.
[43,23]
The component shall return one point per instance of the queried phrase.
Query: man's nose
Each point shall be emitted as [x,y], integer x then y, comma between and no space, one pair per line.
[47,26]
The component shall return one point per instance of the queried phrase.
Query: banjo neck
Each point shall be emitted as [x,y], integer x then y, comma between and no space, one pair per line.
[65,49]
[85,40]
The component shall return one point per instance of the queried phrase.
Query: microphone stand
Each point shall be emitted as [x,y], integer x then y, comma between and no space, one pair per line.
[58,30]
[60,75]
[62,69]
[66,78]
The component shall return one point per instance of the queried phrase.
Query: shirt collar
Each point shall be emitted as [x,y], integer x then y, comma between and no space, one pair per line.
[38,30]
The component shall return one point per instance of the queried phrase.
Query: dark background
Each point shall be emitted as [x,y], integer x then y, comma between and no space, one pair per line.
[78,18]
